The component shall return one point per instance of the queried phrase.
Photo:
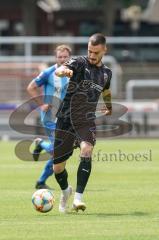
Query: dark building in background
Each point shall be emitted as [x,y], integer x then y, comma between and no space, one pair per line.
[75,18]
[44,18]
[69,17]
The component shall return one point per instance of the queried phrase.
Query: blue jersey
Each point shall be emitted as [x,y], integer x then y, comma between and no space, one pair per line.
[54,88]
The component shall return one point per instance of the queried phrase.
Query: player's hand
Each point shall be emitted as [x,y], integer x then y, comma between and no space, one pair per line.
[64,71]
[106,111]
[69,73]
[45,107]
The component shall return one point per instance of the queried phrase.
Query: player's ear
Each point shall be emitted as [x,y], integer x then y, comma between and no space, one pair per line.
[105,50]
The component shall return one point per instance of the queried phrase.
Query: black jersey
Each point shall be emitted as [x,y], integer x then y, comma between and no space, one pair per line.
[84,89]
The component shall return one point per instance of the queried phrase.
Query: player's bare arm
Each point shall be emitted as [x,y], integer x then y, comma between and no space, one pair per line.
[63,71]
[34,93]
[107,109]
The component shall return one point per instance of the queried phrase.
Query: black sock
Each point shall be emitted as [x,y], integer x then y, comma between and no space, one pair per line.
[83,173]
[61,178]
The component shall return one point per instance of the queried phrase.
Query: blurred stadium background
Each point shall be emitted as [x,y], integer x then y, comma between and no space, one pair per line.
[31,29]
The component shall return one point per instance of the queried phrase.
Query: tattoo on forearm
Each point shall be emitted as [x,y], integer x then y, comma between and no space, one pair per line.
[107,100]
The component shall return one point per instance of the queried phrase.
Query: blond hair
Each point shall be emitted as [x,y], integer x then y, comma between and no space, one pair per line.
[62,48]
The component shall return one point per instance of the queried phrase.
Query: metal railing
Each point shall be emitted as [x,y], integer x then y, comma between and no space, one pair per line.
[139,83]
[28,43]
[29,56]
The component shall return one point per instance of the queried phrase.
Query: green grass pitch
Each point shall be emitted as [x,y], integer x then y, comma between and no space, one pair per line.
[122,196]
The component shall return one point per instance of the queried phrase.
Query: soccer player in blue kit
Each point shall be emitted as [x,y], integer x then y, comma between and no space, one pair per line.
[54,90]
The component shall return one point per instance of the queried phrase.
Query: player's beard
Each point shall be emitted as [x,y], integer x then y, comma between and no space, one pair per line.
[95,61]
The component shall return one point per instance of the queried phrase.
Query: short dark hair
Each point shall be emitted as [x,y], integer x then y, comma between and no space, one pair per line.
[97,38]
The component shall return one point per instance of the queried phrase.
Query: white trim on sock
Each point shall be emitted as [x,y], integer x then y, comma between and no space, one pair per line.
[78,196]
[65,192]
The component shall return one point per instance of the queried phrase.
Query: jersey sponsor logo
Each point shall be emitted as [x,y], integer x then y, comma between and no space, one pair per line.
[87,84]
[97,87]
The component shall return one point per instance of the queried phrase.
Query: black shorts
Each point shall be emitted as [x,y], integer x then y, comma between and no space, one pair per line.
[65,136]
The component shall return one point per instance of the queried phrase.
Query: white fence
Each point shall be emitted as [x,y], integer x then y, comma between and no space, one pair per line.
[139,83]
[28,43]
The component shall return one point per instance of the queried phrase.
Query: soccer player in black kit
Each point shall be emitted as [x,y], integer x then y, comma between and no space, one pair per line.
[89,78]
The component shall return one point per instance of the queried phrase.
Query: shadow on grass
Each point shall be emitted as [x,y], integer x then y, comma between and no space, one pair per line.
[135,214]
[102,215]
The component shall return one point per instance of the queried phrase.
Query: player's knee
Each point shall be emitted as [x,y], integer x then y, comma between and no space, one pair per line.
[86,149]
[58,168]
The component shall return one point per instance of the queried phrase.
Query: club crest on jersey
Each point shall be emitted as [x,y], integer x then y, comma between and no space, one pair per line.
[105,76]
